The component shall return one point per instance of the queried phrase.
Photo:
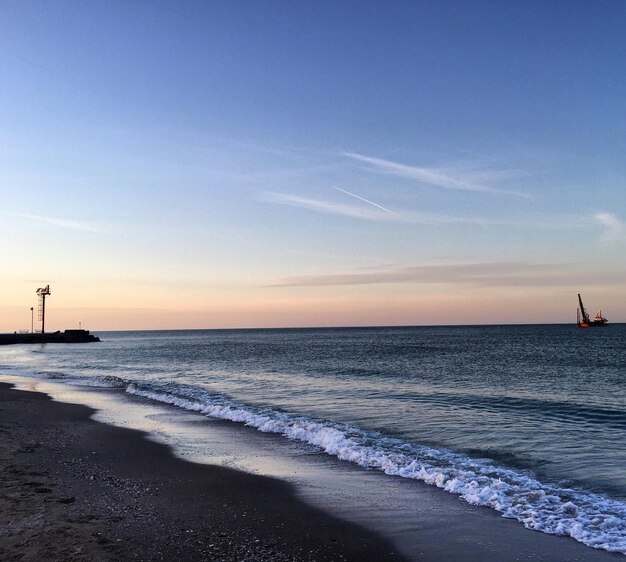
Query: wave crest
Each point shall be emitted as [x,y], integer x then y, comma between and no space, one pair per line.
[589,518]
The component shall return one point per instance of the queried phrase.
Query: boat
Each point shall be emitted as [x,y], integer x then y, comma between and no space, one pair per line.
[583,320]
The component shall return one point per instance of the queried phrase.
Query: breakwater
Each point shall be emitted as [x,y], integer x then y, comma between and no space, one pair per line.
[68,336]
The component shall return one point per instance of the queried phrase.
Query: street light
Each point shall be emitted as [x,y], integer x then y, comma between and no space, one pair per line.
[31,320]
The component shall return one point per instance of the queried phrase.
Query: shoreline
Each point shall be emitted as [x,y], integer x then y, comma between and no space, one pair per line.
[78,489]
[358,507]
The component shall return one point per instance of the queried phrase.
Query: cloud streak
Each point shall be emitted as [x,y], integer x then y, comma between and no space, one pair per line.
[329,207]
[377,213]
[380,213]
[65,223]
[431,176]
[613,227]
[482,274]
[366,200]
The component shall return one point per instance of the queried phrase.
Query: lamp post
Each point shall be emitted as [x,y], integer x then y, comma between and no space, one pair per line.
[31,320]
[42,293]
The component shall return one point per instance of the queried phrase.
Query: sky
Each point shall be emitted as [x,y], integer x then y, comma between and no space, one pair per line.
[270,164]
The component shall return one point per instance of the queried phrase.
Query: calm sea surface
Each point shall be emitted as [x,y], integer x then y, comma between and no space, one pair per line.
[527,420]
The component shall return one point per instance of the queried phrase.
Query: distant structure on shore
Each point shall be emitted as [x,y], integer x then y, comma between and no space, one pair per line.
[42,293]
[68,336]
[582,318]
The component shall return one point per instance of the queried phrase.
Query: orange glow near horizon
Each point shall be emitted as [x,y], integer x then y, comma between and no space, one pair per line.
[298,307]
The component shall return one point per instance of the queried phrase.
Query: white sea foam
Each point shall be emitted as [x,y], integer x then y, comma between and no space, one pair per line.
[590,518]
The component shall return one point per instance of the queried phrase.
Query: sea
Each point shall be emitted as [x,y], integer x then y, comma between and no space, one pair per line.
[529,421]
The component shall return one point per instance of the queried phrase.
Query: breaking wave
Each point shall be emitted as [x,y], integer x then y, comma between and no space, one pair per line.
[590,518]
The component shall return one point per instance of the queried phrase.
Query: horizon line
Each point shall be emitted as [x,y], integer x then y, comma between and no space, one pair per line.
[365,327]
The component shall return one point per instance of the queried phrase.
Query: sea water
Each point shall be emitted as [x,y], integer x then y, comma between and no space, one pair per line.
[527,420]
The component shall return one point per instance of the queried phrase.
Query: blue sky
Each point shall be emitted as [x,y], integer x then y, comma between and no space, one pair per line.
[280,163]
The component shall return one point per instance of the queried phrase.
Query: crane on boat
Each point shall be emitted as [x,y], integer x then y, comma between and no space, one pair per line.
[583,320]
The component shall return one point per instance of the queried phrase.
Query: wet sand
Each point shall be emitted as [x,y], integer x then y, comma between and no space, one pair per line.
[76,489]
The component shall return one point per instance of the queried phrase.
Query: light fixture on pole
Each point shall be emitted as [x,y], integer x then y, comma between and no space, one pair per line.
[42,293]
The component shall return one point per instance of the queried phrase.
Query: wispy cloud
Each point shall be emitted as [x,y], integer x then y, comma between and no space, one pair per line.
[614,229]
[485,274]
[365,200]
[613,226]
[377,213]
[353,211]
[433,176]
[84,226]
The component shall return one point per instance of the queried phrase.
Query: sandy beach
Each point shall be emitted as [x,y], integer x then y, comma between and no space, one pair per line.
[76,489]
